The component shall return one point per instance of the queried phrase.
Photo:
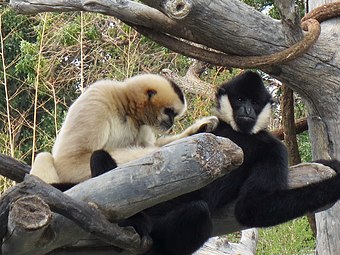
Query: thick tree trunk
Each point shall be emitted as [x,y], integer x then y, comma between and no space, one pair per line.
[324,128]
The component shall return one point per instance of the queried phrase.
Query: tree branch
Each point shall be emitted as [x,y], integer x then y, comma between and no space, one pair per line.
[127,11]
[191,82]
[301,125]
[13,169]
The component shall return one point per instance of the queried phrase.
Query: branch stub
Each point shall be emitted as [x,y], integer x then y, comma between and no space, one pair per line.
[177,9]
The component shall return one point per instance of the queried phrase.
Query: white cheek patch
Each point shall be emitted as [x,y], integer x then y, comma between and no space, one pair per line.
[263,119]
[226,113]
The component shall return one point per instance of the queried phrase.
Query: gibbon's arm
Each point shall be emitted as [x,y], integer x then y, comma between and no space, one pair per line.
[125,155]
[205,124]
[263,208]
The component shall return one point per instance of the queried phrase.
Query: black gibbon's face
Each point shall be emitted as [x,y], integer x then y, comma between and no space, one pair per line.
[244,103]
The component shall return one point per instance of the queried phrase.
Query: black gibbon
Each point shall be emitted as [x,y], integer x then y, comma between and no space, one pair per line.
[117,117]
[258,188]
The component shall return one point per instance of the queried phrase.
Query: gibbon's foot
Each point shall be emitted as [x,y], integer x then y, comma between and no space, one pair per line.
[101,162]
[205,124]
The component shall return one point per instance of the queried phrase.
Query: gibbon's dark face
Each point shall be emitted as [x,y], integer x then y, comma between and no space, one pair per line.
[177,109]
[245,103]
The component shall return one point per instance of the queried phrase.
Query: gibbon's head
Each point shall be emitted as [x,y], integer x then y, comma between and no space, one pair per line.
[244,103]
[158,101]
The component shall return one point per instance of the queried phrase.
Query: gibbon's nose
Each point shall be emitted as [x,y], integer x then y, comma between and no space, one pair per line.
[167,124]
[248,108]
[246,111]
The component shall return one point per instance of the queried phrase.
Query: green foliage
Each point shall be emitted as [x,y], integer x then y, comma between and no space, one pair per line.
[68,35]
[304,147]
[292,238]
[27,64]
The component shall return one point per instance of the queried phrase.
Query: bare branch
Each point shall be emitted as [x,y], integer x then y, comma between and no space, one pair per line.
[128,11]
[221,59]
[191,82]
[13,169]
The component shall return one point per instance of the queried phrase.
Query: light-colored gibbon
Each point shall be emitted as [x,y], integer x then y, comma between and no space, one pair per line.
[118,117]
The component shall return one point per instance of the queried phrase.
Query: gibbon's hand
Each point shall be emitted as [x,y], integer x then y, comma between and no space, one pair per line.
[332,163]
[205,124]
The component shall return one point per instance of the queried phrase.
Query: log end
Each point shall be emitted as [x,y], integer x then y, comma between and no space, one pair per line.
[30,213]
[219,155]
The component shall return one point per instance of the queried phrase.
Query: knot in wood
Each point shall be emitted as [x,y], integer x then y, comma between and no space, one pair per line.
[219,155]
[177,9]
[30,213]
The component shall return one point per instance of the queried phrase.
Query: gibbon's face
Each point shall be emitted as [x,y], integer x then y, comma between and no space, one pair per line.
[163,101]
[244,103]
[169,104]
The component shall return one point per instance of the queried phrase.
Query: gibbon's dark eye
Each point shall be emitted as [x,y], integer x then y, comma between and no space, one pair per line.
[151,93]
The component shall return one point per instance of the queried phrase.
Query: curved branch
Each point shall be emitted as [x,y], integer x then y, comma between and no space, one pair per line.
[324,12]
[221,59]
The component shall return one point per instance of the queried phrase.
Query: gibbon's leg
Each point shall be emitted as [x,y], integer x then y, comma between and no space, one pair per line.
[67,165]
[205,124]
[181,231]
[101,162]
[43,167]
[257,207]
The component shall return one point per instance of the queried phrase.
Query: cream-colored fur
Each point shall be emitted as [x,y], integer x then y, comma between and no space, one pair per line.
[125,155]
[110,115]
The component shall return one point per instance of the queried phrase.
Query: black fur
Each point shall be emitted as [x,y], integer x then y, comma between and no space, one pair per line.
[101,162]
[258,187]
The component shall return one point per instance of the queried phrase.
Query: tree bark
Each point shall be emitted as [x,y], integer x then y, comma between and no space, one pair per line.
[288,124]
